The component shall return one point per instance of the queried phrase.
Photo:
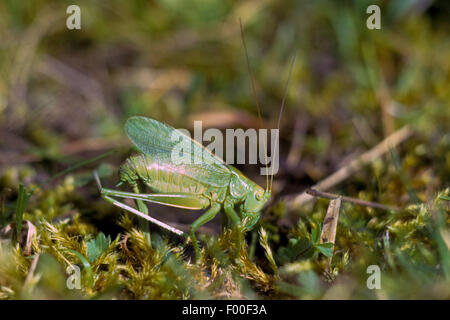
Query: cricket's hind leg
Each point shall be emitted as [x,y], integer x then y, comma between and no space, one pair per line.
[109,195]
[193,201]
[144,216]
[179,200]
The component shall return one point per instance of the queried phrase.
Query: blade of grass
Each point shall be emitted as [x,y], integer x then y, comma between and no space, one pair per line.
[439,233]
[21,204]
[263,240]
[86,265]
[74,167]
[329,195]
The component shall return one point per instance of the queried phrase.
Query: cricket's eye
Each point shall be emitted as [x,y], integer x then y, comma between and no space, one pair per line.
[258,196]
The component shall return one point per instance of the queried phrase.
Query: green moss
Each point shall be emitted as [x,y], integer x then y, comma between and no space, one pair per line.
[177,60]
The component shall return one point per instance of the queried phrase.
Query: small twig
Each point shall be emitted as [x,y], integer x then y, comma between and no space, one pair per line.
[33,266]
[330,225]
[359,202]
[330,222]
[346,171]
[29,242]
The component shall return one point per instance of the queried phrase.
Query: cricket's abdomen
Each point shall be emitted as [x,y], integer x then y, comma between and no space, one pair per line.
[162,178]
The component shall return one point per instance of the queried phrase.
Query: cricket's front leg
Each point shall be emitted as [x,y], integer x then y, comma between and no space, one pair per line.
[204,218]
[234,217]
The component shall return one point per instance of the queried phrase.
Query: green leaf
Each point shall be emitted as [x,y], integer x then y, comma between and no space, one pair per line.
[325,245]
[297,249]
[444,197]
[325,248]
[96,247]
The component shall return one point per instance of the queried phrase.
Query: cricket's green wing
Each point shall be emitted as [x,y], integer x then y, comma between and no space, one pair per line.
[159,140]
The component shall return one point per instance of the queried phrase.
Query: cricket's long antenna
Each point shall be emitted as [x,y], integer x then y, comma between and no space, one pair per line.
[252,80]
[281,111]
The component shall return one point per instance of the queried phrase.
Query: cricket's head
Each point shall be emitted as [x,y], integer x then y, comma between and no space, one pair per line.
[253,203]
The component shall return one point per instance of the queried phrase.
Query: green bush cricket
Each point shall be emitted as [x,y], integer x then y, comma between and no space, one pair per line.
[210,184]
[205,183]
